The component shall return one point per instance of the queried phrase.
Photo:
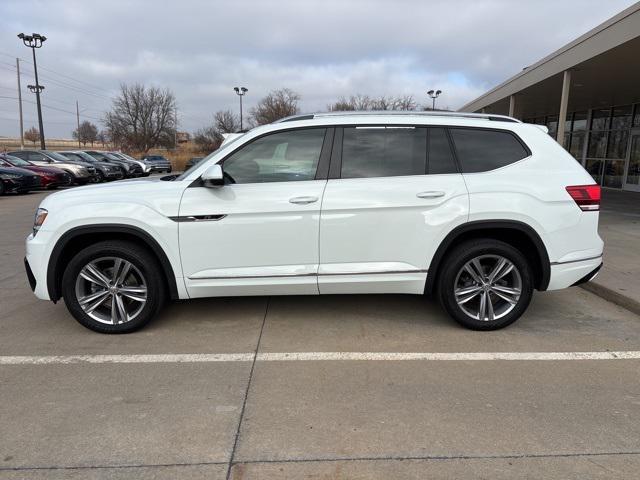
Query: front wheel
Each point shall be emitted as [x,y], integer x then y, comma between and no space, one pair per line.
[485,284]
[113,287]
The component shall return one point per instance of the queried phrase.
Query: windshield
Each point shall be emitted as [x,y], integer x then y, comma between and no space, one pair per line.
[56,156]
[85,157]
[18,162]
[98,155]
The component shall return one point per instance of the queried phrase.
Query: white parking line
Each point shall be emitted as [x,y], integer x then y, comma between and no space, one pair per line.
[316,356]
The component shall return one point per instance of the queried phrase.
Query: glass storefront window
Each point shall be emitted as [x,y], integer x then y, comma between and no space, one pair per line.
[566,140]
[579,121]
[600,119]
[552,124]
[613,173]
[618,140]
[567,123]
[597,144]
[577,145]
[594,167]
[621,118]
[636,117]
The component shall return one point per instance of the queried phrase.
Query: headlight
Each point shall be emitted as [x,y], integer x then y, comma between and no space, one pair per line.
[41,216]
[10,176]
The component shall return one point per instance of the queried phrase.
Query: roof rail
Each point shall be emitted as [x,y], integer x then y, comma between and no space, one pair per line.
[399,113]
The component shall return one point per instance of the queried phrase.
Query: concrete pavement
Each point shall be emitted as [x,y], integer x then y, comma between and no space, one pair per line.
[314,419]
[619,279]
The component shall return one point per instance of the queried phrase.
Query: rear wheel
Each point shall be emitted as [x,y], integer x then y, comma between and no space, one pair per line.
[1,187]
[485,284]
[113,287]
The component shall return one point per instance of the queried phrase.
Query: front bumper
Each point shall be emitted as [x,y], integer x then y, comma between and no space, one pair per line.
[36,261]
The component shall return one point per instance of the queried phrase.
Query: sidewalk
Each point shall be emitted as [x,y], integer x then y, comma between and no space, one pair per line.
[619,279]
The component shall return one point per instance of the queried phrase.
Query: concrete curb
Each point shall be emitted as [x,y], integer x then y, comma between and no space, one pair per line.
[612,296]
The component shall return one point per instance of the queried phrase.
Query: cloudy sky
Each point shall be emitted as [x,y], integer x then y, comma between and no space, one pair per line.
[324,49]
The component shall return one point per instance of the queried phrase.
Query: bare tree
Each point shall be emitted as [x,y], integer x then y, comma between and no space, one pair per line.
[226,122]
[87,132]
[364,102]
[32,135]
[404,102]
[208,139]
[103,137]
[142,118]
[276,105]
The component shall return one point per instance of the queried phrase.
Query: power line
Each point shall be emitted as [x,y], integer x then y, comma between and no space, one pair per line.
[95,87]
[52,108]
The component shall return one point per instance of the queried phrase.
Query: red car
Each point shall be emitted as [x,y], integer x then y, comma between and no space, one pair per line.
[50,177]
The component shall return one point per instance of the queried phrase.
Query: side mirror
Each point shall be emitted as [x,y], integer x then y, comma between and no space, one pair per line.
[213,176]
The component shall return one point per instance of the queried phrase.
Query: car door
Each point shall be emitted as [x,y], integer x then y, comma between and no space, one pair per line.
[393,194]
[258,234]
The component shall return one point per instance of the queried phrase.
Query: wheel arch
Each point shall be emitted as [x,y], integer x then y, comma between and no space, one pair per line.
[517,234]
[77,238]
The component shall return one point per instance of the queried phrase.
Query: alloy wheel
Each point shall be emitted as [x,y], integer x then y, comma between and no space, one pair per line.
[488,287]
[111,290]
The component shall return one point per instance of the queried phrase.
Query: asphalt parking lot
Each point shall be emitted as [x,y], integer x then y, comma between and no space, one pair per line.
[314,387]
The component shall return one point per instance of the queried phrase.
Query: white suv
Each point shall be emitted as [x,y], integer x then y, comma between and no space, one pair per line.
[478,210]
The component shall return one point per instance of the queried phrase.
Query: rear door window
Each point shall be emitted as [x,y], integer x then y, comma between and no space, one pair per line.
[440,158]
[482,150]
[383,151]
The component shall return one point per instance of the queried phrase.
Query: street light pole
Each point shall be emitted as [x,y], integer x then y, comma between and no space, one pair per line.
[240,91]
[33,41]
[434,95]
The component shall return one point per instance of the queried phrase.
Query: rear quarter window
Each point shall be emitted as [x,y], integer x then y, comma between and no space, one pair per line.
[480,150]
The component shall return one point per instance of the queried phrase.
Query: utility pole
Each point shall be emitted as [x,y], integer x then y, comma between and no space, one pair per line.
[78,121]
[240,91]
[175,134]
[20,105]
[33,41]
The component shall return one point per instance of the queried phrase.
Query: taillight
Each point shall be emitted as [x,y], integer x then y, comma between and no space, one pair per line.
[586,196]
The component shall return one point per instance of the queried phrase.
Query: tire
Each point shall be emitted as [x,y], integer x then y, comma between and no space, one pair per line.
[99,177]
[460,272]
[2,192]
[143,272]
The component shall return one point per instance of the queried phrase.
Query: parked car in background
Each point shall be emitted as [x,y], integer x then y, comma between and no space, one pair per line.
[105,171]
[478,210]
[192,162]
[81,172]
[146,168]
[158,163]
[50,177]
[17,180]
[129,169]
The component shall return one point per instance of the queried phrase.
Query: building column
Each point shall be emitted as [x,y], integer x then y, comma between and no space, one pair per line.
[512,105]
[564,101]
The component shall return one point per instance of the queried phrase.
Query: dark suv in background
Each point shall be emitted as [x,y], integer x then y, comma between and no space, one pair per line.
[129,169]
[105,171]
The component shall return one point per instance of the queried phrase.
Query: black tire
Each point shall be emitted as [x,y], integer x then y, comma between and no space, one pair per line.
[145,264]
[2,192]
[99,177]
[487,250]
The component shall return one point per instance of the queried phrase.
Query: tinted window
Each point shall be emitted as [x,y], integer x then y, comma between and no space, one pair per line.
[280,157]
[482,150]
[383,152]
[440,158]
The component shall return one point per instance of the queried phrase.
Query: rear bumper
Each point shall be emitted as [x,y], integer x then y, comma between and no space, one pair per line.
[589,276]
[572,273]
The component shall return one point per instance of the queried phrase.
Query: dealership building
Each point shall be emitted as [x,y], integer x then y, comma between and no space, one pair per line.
[588,95]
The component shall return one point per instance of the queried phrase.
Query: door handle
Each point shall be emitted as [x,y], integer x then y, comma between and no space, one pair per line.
[431,194]
[303,200]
